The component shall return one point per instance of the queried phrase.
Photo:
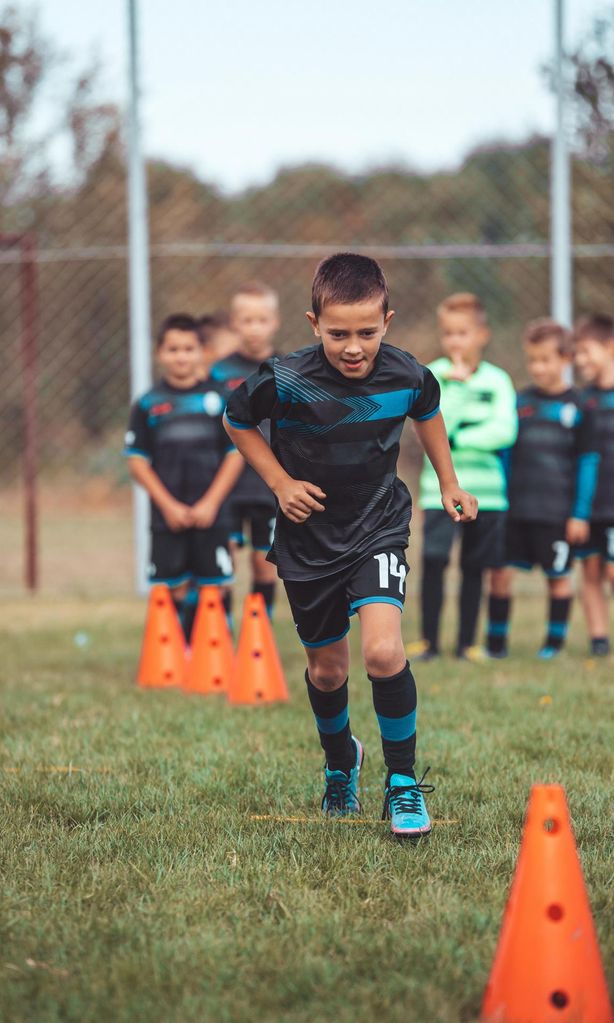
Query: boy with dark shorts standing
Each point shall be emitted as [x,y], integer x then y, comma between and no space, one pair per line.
[594,357]
[479,405]
[254,316]
[553,473]
[178,451]
[337,410]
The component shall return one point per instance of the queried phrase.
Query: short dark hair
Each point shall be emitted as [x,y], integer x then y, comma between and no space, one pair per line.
[546,329]
[346,278]
[596,327]
[177,321]
[210,323]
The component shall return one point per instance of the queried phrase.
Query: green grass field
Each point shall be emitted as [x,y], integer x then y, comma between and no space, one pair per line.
[138,885]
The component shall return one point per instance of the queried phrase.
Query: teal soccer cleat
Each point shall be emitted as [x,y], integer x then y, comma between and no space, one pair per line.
[404,806]
[341,793]
[548,653]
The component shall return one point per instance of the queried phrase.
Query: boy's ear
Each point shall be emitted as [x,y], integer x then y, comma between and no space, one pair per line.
[486,335]
[387,319]
[314,323]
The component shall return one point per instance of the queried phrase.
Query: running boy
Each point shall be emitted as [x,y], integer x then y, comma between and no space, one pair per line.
[178,451]
[254,316]
[478,403]
[553,473]
[337,411]
[594,356]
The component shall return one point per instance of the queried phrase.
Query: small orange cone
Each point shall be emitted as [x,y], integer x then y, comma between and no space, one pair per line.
[162,662]
[210,665]
[547,967]
[258,676]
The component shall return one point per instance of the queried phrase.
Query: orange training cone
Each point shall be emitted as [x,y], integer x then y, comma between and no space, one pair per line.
[258,676]
[162,662]
[210,665]
[547,967]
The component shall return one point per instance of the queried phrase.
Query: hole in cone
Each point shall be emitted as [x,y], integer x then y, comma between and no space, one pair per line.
[160,602]
[555,912]
[551,825]
[217,681]
[559,999]
[214,642]
[259,695]
[164,639]
[210,605]
[254,614]
[168,674]
[256,653]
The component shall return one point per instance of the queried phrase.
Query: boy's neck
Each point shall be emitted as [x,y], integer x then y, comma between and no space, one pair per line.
[555,389]
[266,353]
[184,385]
[605,380]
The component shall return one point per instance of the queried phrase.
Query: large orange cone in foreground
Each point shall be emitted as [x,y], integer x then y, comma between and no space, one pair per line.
[162,661]
[547,967]
[258,676]
[210,665]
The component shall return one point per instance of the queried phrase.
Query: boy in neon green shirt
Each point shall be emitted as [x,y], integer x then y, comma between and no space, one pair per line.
[478,402]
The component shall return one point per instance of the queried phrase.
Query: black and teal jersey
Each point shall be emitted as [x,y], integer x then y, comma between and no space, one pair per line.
[342,435]
[180,432]
[231,373]
[554,463]
[600,402]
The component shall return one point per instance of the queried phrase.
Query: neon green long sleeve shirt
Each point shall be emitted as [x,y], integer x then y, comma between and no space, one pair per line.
[481,420]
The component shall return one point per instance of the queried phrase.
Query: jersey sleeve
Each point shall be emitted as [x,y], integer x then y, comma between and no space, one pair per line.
[587,465]
[254,399]
[137,441]
[426,403]
[499,429]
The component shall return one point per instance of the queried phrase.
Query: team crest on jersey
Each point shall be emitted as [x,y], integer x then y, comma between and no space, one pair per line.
[130,438]
[162,409]
[234,383]
[568,414]
[213,403]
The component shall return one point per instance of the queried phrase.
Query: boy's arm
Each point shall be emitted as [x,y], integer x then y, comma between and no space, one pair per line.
[587,469]
[297,498]
[434,439]
[177,516]
[498,430]
[206,509]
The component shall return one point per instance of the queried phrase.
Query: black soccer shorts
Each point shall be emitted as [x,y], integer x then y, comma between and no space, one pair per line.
[538,543]
[482,541]
[321,608]
[201,555]
[258,518]
[600,542]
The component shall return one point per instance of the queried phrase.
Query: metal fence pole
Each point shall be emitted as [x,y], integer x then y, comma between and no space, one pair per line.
[29,318]
[560,195]
[140,323]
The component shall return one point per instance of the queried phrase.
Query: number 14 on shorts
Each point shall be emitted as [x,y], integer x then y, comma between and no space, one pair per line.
[389,571]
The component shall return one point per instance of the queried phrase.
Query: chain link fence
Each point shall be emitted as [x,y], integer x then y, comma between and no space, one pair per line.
[483,227]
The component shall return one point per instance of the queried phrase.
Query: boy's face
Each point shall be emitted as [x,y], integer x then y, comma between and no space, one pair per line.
[463,337]
[180,357]
[351,335]
[255,318]
[592,358]
[546,365]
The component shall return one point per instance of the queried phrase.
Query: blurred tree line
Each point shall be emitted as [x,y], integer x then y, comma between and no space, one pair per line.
[498,195]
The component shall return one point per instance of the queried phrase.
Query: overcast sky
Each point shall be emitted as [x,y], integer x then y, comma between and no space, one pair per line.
[236,88]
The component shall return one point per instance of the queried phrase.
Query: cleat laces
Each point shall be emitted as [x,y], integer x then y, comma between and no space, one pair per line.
[406,798]
[339,796]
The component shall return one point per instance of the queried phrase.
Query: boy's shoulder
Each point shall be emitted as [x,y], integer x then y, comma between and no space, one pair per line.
[159,391]
[488,370]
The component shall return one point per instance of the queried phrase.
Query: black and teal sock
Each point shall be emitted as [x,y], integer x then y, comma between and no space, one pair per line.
[499,609]
[186,611]
[268,593]
[558,619]
[227,605]
[600,646]
[469,609]
[395,701]
[333,722]
[431,599]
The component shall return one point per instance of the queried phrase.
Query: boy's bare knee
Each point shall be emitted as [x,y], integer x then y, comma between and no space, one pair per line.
[384,656]
[327,672]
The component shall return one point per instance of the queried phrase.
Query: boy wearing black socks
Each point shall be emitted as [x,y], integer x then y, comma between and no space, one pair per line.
[337,410]
[553,473]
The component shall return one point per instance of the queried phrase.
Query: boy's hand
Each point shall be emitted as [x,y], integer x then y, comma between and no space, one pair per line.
[298,499]
[177,516]
[577,531]
[453,497]
[204,513]
[459,370]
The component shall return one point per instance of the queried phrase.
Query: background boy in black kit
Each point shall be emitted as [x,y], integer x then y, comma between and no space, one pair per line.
[178,451]
[594,357]
[337,410]
[254,316]
[553,474]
